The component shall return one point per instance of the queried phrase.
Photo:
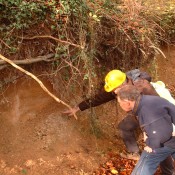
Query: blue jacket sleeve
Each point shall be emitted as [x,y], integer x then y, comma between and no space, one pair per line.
[171,112]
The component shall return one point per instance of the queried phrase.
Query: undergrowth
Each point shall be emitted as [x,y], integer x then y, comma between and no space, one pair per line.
[88,38]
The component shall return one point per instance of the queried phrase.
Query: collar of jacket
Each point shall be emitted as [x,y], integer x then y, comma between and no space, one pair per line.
[134,111]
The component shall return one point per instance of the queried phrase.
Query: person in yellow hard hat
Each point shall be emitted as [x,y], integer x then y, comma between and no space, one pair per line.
[114,81]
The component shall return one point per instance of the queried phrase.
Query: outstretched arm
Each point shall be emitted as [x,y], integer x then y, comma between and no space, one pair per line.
[97,100]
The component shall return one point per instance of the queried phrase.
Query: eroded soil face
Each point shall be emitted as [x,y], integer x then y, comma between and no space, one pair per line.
[36,139]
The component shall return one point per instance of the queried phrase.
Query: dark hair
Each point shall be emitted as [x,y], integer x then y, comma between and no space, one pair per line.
[128,92]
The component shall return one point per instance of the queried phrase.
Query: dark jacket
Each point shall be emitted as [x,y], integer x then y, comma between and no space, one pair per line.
[134,77]
[156,116]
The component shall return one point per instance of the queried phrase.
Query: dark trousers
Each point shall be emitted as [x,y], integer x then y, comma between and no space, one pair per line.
[128,127]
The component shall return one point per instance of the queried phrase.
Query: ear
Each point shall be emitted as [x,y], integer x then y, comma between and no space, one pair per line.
[131,104]
[128,101]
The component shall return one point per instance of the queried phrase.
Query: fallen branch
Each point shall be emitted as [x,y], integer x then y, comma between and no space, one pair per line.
[38,81]
[31,60]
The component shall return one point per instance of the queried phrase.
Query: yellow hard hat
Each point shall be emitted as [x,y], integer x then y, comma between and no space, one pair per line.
[114,79]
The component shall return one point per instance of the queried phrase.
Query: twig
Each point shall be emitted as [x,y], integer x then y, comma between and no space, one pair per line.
[38,81]
[56,39]
[156,48]
[5,43]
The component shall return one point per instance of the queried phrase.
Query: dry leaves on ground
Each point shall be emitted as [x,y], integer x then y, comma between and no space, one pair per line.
[117,165]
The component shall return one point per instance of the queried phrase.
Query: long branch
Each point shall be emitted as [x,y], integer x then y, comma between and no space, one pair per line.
[38,81]
[31,60]
[56,39]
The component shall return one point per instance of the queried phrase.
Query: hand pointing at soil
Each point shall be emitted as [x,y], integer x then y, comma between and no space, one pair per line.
[72,111]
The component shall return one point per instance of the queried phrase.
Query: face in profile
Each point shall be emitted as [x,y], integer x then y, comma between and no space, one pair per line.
[125,104]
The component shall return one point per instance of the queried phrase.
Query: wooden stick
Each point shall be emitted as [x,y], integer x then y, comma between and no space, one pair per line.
[37,80]
[31,60]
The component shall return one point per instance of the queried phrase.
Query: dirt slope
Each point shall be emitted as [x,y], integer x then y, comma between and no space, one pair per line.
[36,139]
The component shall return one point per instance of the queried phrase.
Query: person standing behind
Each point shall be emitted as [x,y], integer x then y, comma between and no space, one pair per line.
[114,81]
[155,116]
